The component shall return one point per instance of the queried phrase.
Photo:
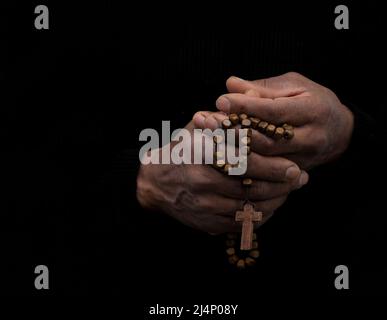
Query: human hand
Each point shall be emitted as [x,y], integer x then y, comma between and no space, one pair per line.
[203,198]
[322,124]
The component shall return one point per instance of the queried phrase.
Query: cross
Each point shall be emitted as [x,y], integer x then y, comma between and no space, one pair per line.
[248,216]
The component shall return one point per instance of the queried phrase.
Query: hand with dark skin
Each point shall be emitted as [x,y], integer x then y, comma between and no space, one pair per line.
[203,198]
[322,124]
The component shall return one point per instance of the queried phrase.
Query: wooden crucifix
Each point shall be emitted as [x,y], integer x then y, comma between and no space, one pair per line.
[248,216]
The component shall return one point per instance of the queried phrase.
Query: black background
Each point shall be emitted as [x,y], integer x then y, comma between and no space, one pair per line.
[75,97]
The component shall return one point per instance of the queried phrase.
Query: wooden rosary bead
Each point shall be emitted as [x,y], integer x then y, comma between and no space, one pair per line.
[233,259]
[247,182]
[230,251]
[254,254]
[262,126]
[254,122]
[243,116]
[219,164]
[218,155]
[270,129]
[234,119]
[288,134]
[226,168]
[287,126]
[246,123]
[218,139]
[241,264]
[279,133]
[226,124]
[250,262]
[246,141]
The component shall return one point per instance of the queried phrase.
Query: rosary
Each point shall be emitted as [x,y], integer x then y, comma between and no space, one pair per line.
[248,253]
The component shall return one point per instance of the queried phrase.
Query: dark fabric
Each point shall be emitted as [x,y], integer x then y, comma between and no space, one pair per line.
[76,98]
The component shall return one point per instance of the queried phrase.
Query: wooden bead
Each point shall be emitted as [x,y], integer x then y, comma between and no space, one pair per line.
[230,243]
[226,124]
[287,126]
[247,182]
[250,262]
[288,134]
[230,251]
[246,141]
[270,129]
[219,164]
[234,119]
[218,139]
[226,168]
[233,259]
[254,254]
[218,155]
[279,133]
[255,244]
[262,126]
[254,122]
[241,264]
[243,116]
[246,123]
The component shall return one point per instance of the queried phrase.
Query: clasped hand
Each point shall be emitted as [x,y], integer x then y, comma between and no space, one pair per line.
[205,199]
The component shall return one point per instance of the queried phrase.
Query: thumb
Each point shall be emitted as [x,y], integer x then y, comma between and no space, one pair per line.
[255,88]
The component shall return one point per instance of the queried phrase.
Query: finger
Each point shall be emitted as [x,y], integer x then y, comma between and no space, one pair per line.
[213,182]
[264,190]
[226,222]
[274,169]
[208,119]
[293,110]
[268,207]
[223,224]
[257,88]
[200,117]
[217,204]
[285,85]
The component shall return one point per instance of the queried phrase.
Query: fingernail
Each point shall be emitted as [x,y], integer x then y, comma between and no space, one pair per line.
[292,173]
[237,78]
[200,121]
[223,104]
[304,178]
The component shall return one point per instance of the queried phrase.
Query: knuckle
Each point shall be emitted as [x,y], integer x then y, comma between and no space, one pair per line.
[320,142]
[197,114]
